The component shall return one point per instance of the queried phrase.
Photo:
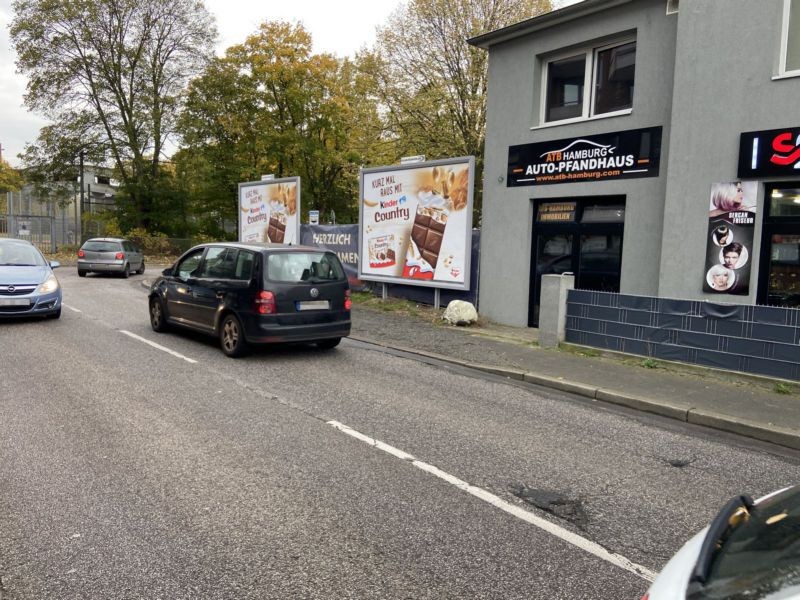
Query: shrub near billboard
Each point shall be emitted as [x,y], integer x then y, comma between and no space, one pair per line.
[269,211]
[415,223]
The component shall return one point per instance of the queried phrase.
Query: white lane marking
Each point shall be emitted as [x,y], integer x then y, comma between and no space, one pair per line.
[72,308]
[158,346]
[551,528]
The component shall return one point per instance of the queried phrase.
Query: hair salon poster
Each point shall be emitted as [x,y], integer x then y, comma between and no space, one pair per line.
[416,223]
[729,248]
[269,211]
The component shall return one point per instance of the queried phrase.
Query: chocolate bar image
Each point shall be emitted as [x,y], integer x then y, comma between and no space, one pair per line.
[428,232]
[276,231]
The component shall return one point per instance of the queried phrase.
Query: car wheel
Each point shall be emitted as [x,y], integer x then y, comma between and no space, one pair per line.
[81,273]
[158,320]
[329,343]
[141,269]
[126,272]
[231,337]
[55,315]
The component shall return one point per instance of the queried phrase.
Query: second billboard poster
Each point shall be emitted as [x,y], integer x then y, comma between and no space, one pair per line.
[416,223]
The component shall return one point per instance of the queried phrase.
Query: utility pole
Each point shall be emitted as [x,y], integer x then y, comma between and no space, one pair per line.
[1,152]
[79,213]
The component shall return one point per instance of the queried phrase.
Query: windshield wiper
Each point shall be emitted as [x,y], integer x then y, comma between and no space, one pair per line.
[733,514]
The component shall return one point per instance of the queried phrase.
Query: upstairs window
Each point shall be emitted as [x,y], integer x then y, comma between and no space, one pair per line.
[607,72]
[790,42]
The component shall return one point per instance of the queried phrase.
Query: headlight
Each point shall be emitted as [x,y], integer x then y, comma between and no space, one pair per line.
[50,285]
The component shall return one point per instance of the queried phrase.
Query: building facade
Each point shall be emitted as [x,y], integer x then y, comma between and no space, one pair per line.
[650,147]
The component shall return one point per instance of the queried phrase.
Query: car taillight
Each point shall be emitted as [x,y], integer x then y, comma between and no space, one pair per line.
[646,597]
[119,255]
[81,253]
[265,303]
[348,303]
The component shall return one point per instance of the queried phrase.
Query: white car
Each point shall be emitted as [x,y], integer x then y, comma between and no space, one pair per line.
[750,551]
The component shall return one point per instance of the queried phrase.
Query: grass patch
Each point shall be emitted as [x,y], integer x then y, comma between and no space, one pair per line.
[649,363]
[397,306]
[580,350]
[782,388]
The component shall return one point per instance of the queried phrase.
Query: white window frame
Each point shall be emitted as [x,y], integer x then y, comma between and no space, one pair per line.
[590,56]
[782,72]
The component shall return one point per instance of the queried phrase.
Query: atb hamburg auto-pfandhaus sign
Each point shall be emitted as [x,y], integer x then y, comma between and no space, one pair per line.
[620,155]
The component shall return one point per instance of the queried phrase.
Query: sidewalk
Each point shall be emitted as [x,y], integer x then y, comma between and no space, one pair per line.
[733,402]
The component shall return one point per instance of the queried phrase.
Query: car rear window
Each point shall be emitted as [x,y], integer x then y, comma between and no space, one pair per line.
[102,246]
[294,267]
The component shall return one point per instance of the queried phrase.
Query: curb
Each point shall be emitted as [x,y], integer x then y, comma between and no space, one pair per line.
[766,432]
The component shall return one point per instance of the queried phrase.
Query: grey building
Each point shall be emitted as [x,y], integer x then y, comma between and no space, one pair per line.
[650,147]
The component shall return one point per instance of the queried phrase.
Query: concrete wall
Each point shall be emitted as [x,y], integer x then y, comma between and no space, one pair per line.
[727,54]
[513,115]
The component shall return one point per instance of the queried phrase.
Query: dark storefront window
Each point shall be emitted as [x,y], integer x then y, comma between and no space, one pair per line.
[578,236]
[779,279]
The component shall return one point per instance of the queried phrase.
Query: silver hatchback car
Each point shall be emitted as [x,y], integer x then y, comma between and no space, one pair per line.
[110,255]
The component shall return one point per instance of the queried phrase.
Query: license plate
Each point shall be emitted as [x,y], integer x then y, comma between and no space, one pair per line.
[314,305]
[15,302]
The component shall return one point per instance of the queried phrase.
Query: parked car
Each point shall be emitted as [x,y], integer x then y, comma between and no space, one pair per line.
[28,286]
[751,550]
[254,294]
[110,255]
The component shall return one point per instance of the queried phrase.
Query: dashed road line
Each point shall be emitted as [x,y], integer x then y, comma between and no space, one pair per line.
[158,346]
[543,524]
[72,308]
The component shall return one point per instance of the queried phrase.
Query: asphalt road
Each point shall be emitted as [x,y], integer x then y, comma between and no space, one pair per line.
[134,471]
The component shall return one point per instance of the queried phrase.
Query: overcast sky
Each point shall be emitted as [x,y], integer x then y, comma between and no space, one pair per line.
[340,28]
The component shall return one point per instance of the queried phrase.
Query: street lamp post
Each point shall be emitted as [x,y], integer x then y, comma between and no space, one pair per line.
[79,212]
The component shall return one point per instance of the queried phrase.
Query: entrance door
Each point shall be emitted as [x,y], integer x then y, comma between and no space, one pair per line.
[779,268]
[578,236]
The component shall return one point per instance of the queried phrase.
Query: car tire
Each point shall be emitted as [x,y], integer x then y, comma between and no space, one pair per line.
[158,319]
[231,337]
[141,269]
[54,315]
[126,272]
[329,343]
[81,273]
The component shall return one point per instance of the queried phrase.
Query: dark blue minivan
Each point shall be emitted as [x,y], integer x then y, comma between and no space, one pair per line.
[254,294]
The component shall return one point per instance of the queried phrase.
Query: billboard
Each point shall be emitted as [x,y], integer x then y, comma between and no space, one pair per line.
[269,211]
[415,223]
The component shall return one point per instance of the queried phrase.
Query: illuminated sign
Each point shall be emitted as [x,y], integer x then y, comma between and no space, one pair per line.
[620,155]
[770,153]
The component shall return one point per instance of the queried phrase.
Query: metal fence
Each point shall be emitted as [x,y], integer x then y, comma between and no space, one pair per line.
[763,340]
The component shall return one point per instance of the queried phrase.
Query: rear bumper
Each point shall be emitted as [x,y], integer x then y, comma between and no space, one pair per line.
[101,267]
[258,332]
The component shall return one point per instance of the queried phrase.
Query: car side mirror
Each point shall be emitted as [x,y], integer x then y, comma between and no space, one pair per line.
[54,264]
[167,272]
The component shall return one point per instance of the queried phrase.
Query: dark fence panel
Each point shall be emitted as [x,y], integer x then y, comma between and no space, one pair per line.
[763,340]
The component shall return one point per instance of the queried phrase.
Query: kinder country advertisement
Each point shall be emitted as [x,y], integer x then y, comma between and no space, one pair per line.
[268,211]
[416,222]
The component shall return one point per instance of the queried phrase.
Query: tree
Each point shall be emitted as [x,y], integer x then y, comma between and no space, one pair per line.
[10,178]
[109,74]
[431,83]
[271,106]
